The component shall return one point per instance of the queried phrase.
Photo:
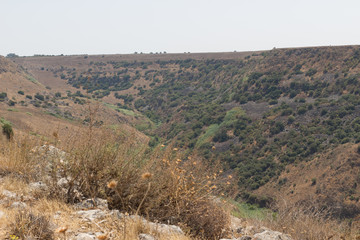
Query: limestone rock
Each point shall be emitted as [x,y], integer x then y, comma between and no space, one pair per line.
[85,236]
[144,236]
[63,183]
[92,203]
[40,186]
[271,235]
[166,229]
[18,205]
[8,194]
[245,238]
[91,214]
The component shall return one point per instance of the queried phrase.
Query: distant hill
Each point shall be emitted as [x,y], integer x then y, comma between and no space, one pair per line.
[265,115]
[33,107]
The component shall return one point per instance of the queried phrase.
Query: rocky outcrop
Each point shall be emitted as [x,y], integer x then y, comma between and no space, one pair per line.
[241,230]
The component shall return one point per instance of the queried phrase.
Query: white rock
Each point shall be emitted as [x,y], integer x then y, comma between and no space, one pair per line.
[63,183]
[18,205]
[117,213]
[166,229]
[271,235]
[2,214]
[92,214]
[8,194]
[144,236]
[92,203]
[85,236]
[38,186]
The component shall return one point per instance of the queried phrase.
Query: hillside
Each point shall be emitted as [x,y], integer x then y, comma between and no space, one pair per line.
[268,117]
[33,107]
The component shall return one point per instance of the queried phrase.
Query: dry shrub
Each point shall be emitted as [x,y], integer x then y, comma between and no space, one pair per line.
[159,185]
[307,222]
[175,192]
[16,158]
[28,225]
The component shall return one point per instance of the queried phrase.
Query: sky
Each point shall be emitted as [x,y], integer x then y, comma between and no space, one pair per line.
[54,27]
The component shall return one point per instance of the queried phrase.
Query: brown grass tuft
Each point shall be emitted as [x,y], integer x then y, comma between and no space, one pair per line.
[29,225]
[309,222]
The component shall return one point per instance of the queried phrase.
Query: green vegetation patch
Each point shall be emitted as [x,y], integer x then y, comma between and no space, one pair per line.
[32,79]
[207,136]
[126,112]
[249,211]
[4,121]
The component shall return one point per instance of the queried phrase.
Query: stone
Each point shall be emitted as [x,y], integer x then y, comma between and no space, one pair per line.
[85,236]
[18,205]
[166,229]
[245,238]
[236,224]
[117,213]
[91,214]
[38,186]
[57,215]
[2,214]
[249,230]
[271,235]
[144,236]
[92,203]
[63,183]
[8,194]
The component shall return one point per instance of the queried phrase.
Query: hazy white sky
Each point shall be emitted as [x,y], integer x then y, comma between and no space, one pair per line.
[30,27]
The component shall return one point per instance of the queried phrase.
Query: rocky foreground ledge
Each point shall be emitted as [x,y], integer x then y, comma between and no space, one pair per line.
[92,213]
[24,205]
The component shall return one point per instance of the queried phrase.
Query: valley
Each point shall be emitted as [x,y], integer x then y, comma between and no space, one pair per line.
[284,123]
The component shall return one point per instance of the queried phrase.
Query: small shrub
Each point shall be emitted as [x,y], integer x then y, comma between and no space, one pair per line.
[28,225]
[3,95]
[7,130]
[40,97]
[313,181]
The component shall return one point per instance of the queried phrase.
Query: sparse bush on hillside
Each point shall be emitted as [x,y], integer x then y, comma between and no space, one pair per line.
[39,97]
[7,130]
[3,95]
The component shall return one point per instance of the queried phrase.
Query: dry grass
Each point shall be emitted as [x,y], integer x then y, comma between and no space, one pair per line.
[306,222]
[16,158]
[66,224]
[30,225]
[156,185]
